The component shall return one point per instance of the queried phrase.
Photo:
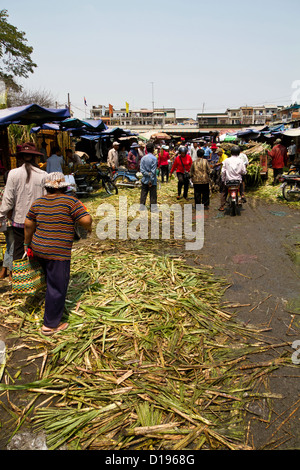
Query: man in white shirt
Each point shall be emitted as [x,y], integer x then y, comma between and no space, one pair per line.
[55,162]
[292,150]
[193,152]
[244,158]
[113,156]
[233,168]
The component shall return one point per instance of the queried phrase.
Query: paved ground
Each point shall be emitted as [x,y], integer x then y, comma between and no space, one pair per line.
[256,253]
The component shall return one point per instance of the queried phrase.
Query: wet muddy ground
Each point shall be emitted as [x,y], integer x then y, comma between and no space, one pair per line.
[256,253]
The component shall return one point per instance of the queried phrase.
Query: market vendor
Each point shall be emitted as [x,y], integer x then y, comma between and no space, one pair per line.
[279,158]
[133,159]
[113,156]
[73,158]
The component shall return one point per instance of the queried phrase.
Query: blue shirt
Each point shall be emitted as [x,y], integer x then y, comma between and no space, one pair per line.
[54,163]
[214,158]
[148,167]
[207,151]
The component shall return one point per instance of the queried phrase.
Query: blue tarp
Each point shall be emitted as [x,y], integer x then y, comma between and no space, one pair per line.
[274,129]
[32,114]
[48,127]
[248,132]
[75,126]
[120,132]
[91,136]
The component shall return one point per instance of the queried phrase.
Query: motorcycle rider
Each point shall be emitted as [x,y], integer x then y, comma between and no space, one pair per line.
[233,168]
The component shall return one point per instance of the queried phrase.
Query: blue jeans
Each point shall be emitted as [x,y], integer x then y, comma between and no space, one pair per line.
[8,255]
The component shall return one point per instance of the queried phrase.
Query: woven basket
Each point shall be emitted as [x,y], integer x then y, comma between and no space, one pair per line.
[28,277]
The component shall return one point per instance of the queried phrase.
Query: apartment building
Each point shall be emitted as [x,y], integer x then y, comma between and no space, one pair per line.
[135,117]
[242,116]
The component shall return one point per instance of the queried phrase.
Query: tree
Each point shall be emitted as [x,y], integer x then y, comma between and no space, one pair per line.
[43,98]
[15,54]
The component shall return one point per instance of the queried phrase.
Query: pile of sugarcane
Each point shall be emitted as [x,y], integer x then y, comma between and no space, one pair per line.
[256,150]
[149,361]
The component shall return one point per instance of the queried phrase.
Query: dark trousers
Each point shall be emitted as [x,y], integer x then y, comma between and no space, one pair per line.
[18,243]
[224,192]
[57,277]
[201,194]
[164,169]
[182,182]
[144,193]
[276,173]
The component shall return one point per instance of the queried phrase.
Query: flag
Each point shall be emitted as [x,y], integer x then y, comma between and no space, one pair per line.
[85,101]
[127,107]
[111,109]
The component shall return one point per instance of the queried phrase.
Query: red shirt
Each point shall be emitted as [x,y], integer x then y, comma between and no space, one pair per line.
[177,165]
[279,156]
[163,158]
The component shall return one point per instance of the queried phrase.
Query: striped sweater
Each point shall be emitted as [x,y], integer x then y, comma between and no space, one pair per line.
[55,216]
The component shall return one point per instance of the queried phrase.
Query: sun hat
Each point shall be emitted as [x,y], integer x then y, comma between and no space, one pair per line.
[56,180]
[134,145]
[213,146]
[28,148]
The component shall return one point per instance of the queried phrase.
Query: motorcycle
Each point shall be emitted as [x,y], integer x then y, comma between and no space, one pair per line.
[82,186]
[233,198]
[104,176]
[124,177]
[290,185]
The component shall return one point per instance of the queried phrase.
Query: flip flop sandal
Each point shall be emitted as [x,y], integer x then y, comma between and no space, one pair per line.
[221,209]
[51,331]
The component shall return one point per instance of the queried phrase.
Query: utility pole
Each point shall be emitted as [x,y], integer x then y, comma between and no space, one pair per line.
[69,103]
[152,84]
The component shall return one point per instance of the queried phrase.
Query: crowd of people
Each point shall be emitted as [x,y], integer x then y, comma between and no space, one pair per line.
[197,164]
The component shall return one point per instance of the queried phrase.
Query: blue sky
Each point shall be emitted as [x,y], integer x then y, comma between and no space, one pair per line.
[221,53]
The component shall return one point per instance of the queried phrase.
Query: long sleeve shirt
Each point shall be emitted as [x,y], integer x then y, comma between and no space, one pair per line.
[181,164]
[279,156]
[18,195]
[148,168]
[193,153]
[200,171]
[113,158]
[233,169]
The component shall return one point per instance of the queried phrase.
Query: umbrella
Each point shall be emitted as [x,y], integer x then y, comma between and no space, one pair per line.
[161,136]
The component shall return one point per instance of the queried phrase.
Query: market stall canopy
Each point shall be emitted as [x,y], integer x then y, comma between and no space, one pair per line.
[32,114]
[292,132]
[161,136]
[89,125]
[46,127]
[230,138]
[249,133]
[95,125]
[118,132]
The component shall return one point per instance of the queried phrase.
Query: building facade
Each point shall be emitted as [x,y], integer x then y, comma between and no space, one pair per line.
[137,117]
[242,116]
